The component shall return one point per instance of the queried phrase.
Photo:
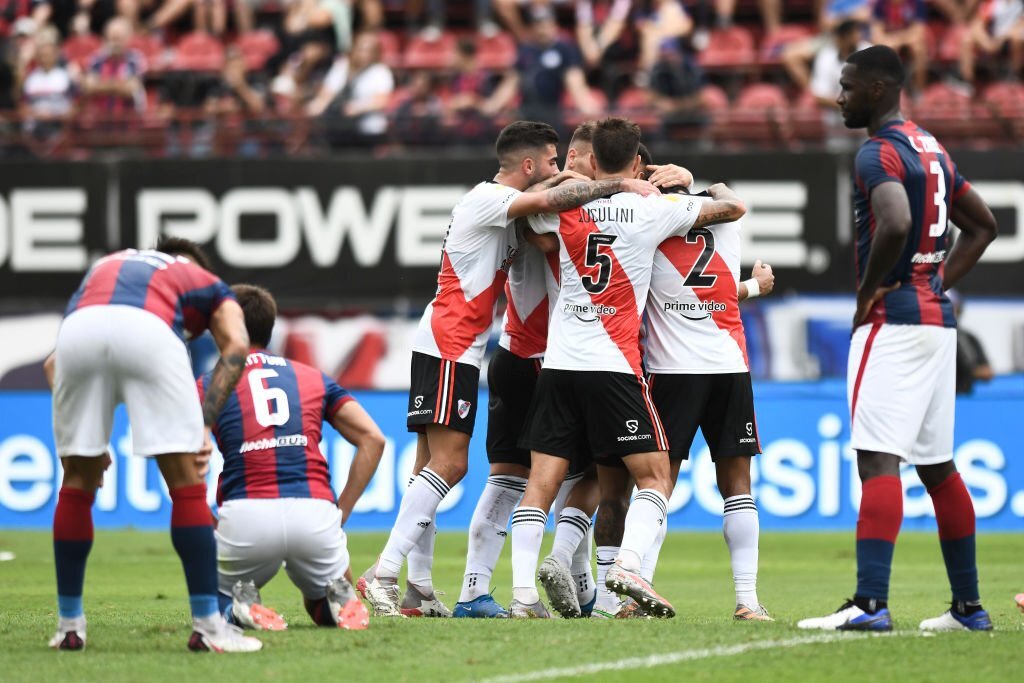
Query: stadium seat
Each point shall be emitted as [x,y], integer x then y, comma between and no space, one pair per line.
[426,54]
[573,117]
[636,104]
[496,53]
[152,48]
[1006,103]
[828,341]
[729,48]
[390,48]
[772,43]
[760,115]
[948,40]
[257,47]
[714,98]
[198,52]
[79,49]
[806,115]
[953,117]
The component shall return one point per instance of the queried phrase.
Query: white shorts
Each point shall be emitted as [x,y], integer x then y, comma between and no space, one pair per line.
[256,535]
[901,388]
[107,355]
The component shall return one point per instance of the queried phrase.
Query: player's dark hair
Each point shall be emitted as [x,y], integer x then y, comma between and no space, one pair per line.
[616,141]
[522,136]
[583,133]
[645,156]
[879,62]
[260,311]
[179,246]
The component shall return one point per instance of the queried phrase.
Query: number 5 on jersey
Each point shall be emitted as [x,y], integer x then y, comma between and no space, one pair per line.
[262,397]
[599,258]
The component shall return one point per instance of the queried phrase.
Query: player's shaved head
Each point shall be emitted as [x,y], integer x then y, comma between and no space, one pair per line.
[584,134]
[879,63]
[870,86]
[521,139]
[260,311]
[179,246]
[616,141]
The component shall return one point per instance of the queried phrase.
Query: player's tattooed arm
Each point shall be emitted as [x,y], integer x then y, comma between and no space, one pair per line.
[227,325]
[725,206]
[556,180]
[569,195]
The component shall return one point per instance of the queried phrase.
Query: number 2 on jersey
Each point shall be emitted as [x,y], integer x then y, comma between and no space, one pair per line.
[597,258]
[937,228]
[696,276]
[262,396]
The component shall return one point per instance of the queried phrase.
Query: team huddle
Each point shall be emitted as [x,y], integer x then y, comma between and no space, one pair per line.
[621,337]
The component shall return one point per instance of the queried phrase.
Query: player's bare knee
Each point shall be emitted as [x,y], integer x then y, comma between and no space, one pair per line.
[933,475]
[83,473]
[179,469]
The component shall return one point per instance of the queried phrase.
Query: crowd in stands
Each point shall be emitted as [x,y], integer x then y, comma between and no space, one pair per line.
[251,77]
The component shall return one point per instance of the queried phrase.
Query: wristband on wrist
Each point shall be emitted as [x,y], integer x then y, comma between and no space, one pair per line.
[753,288]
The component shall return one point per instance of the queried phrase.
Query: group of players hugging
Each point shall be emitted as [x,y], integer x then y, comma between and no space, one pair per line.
[621,337]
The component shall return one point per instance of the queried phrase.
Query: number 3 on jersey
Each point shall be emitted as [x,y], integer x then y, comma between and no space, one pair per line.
[937,228]
[596,257]
[262,396]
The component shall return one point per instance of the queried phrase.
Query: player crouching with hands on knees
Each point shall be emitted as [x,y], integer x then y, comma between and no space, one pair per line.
[275,496]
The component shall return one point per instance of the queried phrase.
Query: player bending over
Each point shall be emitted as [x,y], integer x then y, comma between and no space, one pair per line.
[275,496]
[122,341]
[449,345]
[592,382]
[901,378]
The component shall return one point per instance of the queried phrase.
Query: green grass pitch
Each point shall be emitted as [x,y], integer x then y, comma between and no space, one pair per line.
[138,626]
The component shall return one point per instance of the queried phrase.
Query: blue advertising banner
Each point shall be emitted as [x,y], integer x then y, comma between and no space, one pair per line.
[805,479]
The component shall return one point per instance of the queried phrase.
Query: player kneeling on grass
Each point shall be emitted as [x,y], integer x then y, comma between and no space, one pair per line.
[275,497]
[122,341]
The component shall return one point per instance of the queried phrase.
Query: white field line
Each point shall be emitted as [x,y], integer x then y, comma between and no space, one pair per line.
[650,661]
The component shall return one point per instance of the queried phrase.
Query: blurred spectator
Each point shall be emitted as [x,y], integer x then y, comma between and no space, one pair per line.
[331,19]
[834,12]
[470,88]
[240,95]
[49,89]
[594,40]
[998,25]
[662,30]
[23,50]
[956,11]
[771,13]
[113,81]
[417,120]
[828,58]
[354,96]
[676,82]
[509,14]
[900,25]
[972,364]
[547,66]
[432,11]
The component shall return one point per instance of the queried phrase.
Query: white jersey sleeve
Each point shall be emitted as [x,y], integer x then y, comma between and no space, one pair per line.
[544,223]
[488,204]
[672,214]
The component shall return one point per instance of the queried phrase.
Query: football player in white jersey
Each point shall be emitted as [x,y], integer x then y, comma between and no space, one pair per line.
[682,411]
[531,291]
[448,348]
[592,384]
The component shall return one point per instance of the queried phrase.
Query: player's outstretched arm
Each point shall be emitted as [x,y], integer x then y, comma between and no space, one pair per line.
[977,230]
[761,282]
[556,180]
[725,207]
[570,195]
[891,209]
[359,429]
[227,325]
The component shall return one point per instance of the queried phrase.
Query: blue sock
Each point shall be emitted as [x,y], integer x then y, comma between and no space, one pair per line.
[192,537]
[224,603]
[878,525]
[961,568]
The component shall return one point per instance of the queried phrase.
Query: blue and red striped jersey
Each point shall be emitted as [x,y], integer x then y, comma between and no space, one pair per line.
[903,152]
[172,288]
[269,431]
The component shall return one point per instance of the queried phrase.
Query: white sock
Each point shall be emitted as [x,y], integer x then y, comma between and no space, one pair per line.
[416,514]
[647,514]
[487,531]
[563,495]
[421,559]
[581,569]
[570,532]
[527,534]
[650,561]
[606,555]
[741,529]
